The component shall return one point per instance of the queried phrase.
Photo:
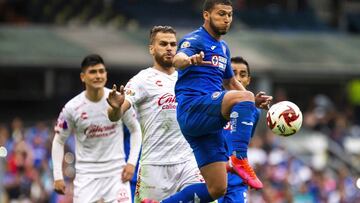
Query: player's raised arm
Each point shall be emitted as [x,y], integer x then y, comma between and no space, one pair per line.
[233,84]
[182,61]
[118,105]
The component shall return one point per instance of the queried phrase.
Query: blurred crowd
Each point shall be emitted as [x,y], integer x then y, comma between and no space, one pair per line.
[26,171]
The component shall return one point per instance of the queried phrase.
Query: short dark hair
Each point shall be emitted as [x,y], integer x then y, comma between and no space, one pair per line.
[160,28]
[210,4]
[241,60]
[91,60]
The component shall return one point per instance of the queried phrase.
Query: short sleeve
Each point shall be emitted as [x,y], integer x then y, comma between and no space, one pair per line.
[65,123]
[229,73]
[189,46]
[134,92]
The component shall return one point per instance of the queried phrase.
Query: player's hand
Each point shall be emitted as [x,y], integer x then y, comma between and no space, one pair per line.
[128,172]
[262,100]
[198,59]
[116,98]
[59,186]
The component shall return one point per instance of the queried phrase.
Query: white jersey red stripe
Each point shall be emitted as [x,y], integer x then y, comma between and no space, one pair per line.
[152,94]
[99,149]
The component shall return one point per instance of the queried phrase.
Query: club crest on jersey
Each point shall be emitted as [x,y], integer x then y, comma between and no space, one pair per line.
[215,95]
[185,44]
[215,60]
[129,92]
[123,196]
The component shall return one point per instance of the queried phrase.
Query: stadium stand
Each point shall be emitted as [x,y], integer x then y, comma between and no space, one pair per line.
[299,50]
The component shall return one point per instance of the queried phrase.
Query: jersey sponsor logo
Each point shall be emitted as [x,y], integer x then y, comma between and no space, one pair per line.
[185,44]
[158,83]
[84,116]
[215,95]
[227,126]
[61,123]
[167,101]
[247,123]
[99,131]
[233,120]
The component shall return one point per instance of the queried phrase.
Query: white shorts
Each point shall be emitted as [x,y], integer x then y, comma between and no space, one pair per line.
[109,189]
[160,181]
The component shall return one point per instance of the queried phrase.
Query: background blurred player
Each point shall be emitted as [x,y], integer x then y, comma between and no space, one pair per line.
[237,190]
[167,163]
[101,170]
[203,108]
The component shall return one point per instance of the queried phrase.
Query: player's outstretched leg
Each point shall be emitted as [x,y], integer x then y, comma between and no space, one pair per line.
[239,107]
[149,201]
[193,193]
[242,119]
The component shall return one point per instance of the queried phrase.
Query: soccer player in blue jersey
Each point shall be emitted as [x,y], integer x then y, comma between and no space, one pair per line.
[237,190]
[203,63]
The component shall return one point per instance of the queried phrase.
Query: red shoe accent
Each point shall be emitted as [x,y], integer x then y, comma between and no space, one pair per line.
[148,201]
[243,169]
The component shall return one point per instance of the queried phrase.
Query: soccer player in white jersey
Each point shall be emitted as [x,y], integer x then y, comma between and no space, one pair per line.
[167,163]
[101,171]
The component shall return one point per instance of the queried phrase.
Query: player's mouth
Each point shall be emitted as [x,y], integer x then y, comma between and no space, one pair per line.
[98,82]
[169,56]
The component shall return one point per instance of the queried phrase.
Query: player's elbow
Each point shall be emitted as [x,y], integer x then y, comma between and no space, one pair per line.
[180,61]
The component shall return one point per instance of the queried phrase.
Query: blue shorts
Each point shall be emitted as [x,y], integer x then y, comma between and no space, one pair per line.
[201,122]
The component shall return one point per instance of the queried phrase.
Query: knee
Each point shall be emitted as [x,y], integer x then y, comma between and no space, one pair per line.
[217,191]
[247,95]
[244,96]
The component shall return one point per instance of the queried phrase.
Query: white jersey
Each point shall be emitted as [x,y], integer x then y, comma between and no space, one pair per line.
[99,142]
[152,94]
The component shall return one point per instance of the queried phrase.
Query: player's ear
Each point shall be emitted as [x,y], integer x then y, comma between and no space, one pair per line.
[151,49]
[82,77]
[206,15]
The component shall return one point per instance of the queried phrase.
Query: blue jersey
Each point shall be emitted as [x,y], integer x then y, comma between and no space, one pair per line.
[201,80]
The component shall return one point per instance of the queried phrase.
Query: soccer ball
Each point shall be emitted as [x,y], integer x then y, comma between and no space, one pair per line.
[284,118]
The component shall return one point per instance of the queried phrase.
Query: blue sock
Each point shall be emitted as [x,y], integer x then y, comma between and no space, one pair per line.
[257,117]
[242,119]
[191,193]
